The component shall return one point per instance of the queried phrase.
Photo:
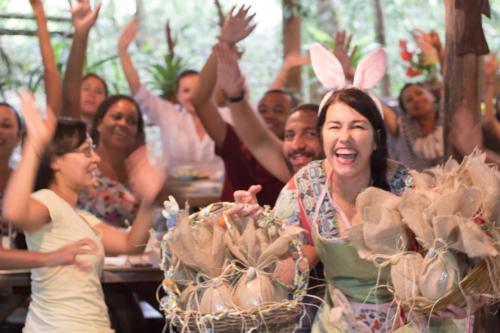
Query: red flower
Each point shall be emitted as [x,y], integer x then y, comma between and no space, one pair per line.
[406,55]
[403,44]
[412,72]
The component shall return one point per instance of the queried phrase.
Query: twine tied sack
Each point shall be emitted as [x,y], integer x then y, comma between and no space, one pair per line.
[411,207]
[440,272]
[382,231]
[201,248]
[476,173]
[405,274]
[255,286]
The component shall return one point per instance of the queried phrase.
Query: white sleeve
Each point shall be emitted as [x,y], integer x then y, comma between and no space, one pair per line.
[154,107]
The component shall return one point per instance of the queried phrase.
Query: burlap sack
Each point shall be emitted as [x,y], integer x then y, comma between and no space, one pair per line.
[478,174]
[217,297]
[411,208]
[463,235]
[383,230]
[200,247]
[405,273]
[440,273]
[462,201]
[254,289]
[255,286]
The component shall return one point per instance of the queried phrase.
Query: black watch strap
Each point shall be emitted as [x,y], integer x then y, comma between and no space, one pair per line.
[235,99]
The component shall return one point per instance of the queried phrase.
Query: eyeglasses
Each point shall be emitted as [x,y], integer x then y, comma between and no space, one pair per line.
[87,150]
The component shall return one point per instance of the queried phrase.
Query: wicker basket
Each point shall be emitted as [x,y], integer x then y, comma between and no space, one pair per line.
[278,317]
[275,317]
[476,282]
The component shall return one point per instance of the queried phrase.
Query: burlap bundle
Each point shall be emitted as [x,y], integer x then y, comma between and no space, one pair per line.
[477,174]
[199,247]
[255,286]
[382,230]
[440,272]
[463,235]
[411,207]
[405,274]
[217,297]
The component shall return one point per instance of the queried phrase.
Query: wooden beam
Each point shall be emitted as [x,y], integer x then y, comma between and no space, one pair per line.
[292,42]
[31,17]
[21,32]
[380,37]
[461,73]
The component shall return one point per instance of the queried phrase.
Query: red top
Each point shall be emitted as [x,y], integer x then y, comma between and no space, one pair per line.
[243,170]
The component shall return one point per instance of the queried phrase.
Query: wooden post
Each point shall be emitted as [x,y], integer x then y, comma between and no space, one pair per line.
[380,37]
[461,74]
[292,41]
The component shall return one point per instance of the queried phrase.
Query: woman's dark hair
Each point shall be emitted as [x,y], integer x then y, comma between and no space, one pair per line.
[103,82]
[70,134]
[103,109]
[421,85]
[20,126]
[364,104]
[183,74]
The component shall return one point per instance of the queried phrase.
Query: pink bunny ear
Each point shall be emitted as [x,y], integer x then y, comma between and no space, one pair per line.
[370,70]
[326,67]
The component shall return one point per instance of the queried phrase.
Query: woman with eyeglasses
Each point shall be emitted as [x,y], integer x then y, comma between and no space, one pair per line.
[65,298]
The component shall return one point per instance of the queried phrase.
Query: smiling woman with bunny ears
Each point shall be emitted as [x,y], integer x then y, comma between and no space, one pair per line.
[67,299]
[321,199]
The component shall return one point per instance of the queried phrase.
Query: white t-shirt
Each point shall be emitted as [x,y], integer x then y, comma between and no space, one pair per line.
[66,298]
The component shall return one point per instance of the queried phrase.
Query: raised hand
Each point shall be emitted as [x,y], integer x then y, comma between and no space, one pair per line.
[246,203]
[296,59]
[490,67]
[83,16]
[39,131]
[237,27]
[464,135]
[344,53]
[67,255]
[128,35]
[229,77]
[146,179]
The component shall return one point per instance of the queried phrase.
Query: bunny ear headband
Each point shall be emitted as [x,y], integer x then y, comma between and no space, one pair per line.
[331,75]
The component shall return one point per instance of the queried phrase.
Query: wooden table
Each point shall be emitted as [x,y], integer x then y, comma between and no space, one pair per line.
[19,281]
[111,274]
[198,193]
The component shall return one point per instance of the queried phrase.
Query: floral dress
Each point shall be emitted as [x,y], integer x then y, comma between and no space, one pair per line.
[112,202]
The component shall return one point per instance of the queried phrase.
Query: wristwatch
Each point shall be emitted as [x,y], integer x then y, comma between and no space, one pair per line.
[235,99]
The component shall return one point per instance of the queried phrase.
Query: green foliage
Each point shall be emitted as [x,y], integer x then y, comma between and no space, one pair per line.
[164,74]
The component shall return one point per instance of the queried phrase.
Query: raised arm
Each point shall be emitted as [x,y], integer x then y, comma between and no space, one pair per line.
[127,36]
[83,18]
[236,27]
[263,144]
[147,181]
[51,76]
[18,206]
[292,60]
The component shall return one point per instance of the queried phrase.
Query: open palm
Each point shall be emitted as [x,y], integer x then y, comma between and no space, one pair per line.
[237,27]
[83,16]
